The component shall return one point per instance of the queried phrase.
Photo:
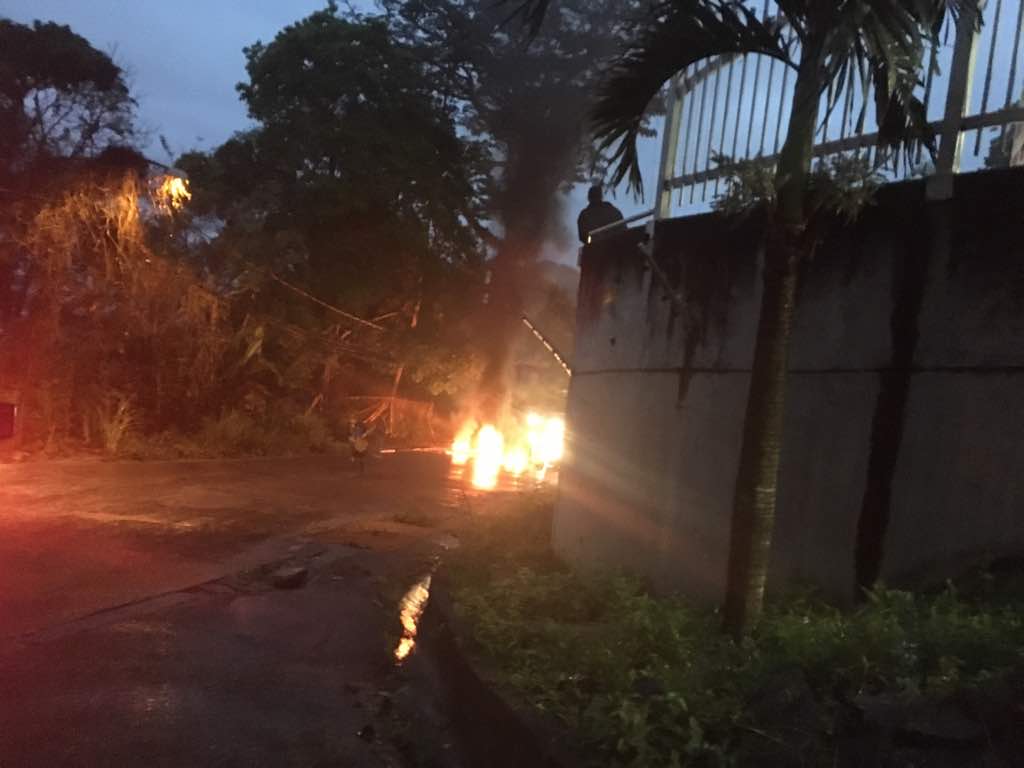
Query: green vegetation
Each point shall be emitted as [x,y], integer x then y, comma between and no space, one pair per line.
[649,681]
[332,261]
[328,261]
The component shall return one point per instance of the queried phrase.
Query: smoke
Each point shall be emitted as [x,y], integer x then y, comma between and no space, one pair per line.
[527,99]
[536,99]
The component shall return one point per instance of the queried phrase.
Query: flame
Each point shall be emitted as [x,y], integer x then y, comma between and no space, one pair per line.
[517,460]
[462,446]
[488,457]
[551,442]
[170,193]
[535,447]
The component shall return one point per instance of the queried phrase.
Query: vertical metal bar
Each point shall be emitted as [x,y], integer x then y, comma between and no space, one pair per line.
[767,105]
[1016,51]
[782,104]
[725,114]
[669,147]
[739,109]
[847,103]
[961,77]
[988,73]
[711,129]
[865,87]
[689,128]
[933,64]
[753,94]
[753,106]
[1011,81]
[700,131]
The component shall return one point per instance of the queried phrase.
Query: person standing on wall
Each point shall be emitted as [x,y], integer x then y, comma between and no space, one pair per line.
[599,213]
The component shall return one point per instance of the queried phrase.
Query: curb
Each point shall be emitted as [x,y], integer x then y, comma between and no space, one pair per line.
[489,729]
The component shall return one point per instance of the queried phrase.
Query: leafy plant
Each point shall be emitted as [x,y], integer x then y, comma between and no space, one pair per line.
[643,680]
[839,185]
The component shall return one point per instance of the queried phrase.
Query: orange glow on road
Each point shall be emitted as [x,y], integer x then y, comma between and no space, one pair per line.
[409,612]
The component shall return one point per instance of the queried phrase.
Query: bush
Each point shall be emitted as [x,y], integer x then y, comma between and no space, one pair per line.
[236,434]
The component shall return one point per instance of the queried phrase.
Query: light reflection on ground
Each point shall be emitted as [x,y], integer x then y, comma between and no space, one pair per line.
[410,609]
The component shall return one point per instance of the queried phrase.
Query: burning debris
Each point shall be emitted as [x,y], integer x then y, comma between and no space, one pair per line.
[536,445]
[169,193]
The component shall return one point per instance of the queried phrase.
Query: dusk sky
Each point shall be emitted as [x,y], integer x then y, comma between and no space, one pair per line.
[185,57]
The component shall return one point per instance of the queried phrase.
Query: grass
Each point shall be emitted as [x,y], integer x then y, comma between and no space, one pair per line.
[650,681]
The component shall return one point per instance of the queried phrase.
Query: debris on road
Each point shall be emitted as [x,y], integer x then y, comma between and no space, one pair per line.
[292,577]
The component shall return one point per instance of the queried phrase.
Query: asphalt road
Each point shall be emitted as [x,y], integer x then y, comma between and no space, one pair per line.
[144,619]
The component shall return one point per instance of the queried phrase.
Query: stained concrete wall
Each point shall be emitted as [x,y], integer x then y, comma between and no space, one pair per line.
[905,405]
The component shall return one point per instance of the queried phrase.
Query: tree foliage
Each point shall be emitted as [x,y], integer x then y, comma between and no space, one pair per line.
[356,189]
[59,96]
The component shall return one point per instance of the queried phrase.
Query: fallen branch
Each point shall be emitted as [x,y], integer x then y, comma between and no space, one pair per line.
[322,303]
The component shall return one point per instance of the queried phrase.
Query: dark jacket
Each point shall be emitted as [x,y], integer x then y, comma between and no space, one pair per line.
[596,215]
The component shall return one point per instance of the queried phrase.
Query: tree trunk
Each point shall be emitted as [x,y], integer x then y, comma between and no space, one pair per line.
[753,514]
[754,499]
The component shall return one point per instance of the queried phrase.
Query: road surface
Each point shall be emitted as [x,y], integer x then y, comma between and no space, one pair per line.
[146,616]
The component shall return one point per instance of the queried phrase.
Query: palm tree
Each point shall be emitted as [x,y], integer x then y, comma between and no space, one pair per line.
[884,42]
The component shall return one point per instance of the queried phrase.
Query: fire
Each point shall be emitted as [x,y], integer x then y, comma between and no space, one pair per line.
[551,444]
[170,193]
[517,460]
[462,446]
[533,447]
[488,457]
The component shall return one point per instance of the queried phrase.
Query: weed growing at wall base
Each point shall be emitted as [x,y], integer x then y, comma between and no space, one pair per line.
[641,680]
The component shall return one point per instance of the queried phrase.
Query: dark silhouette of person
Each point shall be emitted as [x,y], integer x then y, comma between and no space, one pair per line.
[598,214]
[359,440]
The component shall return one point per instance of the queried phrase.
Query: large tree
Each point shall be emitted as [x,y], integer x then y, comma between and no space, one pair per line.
[884,41]
[355,189]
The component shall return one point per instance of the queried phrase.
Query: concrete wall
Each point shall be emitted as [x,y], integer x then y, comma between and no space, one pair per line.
[905,404]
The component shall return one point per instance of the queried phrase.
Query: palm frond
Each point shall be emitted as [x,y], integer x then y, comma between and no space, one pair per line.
[885,42]
[676,34]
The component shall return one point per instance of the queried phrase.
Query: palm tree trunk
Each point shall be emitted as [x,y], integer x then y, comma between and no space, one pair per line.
[753,512]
